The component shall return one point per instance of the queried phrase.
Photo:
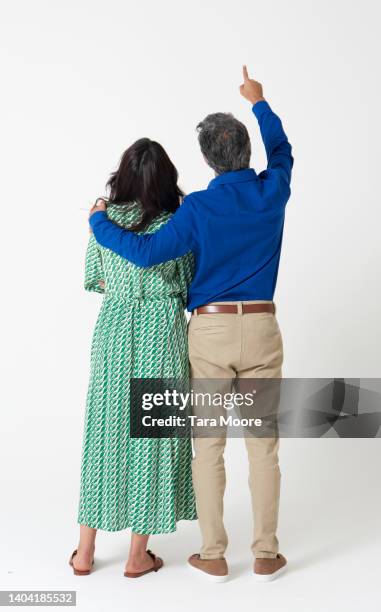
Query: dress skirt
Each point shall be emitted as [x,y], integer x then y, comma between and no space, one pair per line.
[143,484]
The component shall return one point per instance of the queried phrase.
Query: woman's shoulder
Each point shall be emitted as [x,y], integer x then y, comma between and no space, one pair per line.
[130,214]
[123,214]
[162,219]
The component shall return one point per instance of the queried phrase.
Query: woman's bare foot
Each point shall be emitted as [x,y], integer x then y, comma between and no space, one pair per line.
[138,559]
[84,558]
[139,563]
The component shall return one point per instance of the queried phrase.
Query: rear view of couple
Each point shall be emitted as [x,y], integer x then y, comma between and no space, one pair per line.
[152,253]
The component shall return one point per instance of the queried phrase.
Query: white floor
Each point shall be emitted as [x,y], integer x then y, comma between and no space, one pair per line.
[329,530]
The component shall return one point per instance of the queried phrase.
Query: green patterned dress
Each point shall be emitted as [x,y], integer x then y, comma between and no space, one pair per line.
[138,483]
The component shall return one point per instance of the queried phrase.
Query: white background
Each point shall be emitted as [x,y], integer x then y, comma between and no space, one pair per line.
[81,80]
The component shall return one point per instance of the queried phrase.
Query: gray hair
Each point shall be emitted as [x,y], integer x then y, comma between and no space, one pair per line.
[224,142]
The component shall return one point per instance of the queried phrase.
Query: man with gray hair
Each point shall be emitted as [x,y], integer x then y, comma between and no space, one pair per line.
[224,142]
[234,228]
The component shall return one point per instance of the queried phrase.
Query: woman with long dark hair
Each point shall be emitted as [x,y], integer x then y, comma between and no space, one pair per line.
[139,483]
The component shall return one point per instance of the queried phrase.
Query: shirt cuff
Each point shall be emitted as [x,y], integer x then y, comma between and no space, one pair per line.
[260,107]
[98,216]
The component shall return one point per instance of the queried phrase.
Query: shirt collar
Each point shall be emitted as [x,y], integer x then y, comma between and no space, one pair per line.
[236,176]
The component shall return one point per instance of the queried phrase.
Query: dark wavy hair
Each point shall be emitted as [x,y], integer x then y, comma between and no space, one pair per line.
[147,176]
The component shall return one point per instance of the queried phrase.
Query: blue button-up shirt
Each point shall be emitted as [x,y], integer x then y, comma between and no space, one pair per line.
[234,227]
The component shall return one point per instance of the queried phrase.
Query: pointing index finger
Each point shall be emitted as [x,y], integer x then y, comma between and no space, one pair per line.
[245,73]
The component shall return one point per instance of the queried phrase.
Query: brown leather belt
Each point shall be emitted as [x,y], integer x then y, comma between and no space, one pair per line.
[233,309]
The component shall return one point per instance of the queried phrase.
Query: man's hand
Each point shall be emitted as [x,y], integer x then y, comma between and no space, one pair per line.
[99,206]
[250,89]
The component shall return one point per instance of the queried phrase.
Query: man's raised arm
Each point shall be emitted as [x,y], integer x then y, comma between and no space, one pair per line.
[278,149]
[172,240]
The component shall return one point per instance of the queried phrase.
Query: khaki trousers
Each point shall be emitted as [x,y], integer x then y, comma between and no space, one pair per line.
[240,346]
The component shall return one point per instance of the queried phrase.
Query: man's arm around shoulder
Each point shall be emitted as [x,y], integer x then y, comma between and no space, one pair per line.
[172,240]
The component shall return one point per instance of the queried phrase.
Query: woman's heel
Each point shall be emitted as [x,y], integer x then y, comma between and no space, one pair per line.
[78,572]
